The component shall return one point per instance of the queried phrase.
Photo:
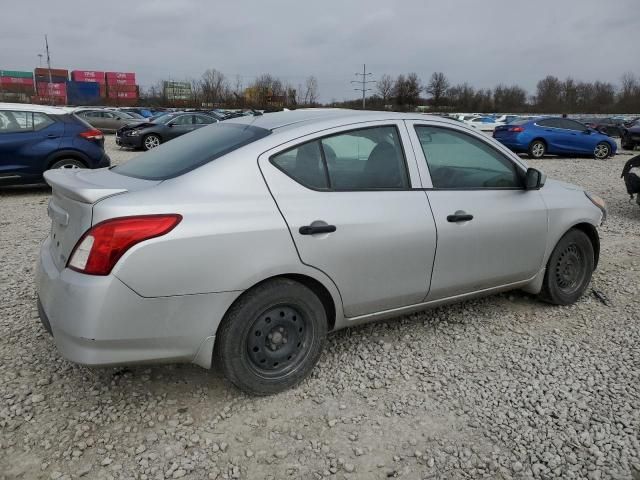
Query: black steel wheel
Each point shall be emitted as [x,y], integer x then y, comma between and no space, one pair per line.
[272,337]
[569,269]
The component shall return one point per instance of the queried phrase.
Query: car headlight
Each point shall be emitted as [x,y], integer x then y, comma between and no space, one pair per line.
[598,202]
[133,133]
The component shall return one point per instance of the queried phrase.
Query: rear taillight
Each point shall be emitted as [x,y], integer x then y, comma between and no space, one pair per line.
[93,134]
[100,248]
[516,129]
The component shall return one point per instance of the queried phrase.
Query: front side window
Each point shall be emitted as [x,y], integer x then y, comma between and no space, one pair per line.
[183,120]
[365,159]
[460,161]
[550,123]
[573,125]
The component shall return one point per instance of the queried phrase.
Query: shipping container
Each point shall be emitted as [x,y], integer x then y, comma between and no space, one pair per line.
[16,74]
[56,72]
[17,97]
[49,100]
[120,76]
[16,81]
[54,79]
[119,95]
[103,90]
[87,76]
[120,81]
[51,89]
[83,93]
[122,88]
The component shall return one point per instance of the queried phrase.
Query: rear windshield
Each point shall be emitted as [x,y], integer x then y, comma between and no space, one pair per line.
[191,151]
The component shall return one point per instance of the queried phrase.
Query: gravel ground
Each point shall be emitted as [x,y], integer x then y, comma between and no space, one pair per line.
[503,387]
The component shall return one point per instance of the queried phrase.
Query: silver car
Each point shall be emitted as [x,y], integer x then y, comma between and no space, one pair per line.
[243,243]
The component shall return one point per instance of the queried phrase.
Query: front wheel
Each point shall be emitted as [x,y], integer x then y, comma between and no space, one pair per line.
[537,149]
[68,163]
[569,269]
[602,151]
[272,337]
[150,141]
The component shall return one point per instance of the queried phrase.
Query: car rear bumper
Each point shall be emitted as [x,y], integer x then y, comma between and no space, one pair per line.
[100,321]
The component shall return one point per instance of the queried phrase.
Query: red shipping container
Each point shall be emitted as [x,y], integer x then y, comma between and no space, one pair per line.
[48,100]
[122,88]
[130,77]
[55,72]
[103,90]
[16,81]
[88,76]
[52,89]
[127,95]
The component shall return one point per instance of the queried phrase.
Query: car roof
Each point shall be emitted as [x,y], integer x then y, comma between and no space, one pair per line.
[306,116]
[30,107]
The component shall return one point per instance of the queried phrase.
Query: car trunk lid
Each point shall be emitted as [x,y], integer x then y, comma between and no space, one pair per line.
[74,194]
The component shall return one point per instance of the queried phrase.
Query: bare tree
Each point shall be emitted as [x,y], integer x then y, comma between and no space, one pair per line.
[214,86]
[311,91]
[437,88]
[384,88]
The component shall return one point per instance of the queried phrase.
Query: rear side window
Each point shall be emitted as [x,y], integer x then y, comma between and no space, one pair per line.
[191,151]
[364,159]
[12,121]
[550,122]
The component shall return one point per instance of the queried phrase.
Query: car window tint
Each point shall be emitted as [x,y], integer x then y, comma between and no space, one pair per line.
[572,125]
[183,120]
[550,122]
[304,165]
[370,158]
[40,121]
[460,161]
[11,121]
[203,119]
[189,152]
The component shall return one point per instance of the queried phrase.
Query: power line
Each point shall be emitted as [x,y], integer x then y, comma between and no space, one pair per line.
[363,81]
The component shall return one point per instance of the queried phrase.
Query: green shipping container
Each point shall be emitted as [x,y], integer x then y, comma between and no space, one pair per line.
[15,74]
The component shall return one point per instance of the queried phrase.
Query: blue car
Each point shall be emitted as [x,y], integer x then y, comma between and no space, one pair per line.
[35,138]
[556,136]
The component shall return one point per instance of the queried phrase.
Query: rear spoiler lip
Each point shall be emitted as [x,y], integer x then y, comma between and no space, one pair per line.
[82,191]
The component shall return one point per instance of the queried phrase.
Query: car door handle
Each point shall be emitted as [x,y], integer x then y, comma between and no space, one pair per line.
[313,229]
[51,135]
[459,217]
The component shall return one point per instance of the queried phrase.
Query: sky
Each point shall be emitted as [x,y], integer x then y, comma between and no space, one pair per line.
[482,42]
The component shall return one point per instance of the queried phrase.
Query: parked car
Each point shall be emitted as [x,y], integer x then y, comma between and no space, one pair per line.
[246,241]
[143,112]
[556,136]
[106,120]
[166,127]
[610,126]
[631,178]
[35,138]
[630,138]
[132,114]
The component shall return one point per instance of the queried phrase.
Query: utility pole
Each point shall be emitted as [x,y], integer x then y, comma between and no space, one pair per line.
[49,88]
[363,82]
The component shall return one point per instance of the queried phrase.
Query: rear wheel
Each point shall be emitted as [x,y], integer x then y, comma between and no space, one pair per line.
[569,269]
[602,151]
[67,163]
[537,149]
[151,141]
[272,337]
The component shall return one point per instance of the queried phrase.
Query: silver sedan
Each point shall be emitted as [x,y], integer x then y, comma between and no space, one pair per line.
[242,244]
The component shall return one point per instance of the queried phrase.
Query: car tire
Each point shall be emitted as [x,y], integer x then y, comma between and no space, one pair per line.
[626,143]
[67,163]
[602,151]
[569,269]
[151,141]
[537,149]
[272,337]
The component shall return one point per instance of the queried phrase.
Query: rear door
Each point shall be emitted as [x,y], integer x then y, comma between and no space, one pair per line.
[26,139]
[202,121]
[491,231]
[347,198]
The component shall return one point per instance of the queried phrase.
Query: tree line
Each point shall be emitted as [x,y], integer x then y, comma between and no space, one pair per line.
[213,89]
[553,95]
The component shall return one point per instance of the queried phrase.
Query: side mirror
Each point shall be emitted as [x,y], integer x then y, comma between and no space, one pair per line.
[534,179]
[171,124]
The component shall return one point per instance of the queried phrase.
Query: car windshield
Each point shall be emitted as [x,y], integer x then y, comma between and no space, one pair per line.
[191,151]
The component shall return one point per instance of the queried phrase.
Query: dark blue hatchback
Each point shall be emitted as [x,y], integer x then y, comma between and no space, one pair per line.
[35,138]
[557,136]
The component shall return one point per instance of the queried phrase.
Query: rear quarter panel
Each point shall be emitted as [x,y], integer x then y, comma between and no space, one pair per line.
[232,235]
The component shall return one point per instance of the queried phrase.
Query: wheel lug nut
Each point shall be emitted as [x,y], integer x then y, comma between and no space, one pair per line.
[284,340]
[281,329]
[270,336]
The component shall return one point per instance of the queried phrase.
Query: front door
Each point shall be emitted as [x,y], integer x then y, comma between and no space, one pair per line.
[491,231]
[179,126]
[347,199]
